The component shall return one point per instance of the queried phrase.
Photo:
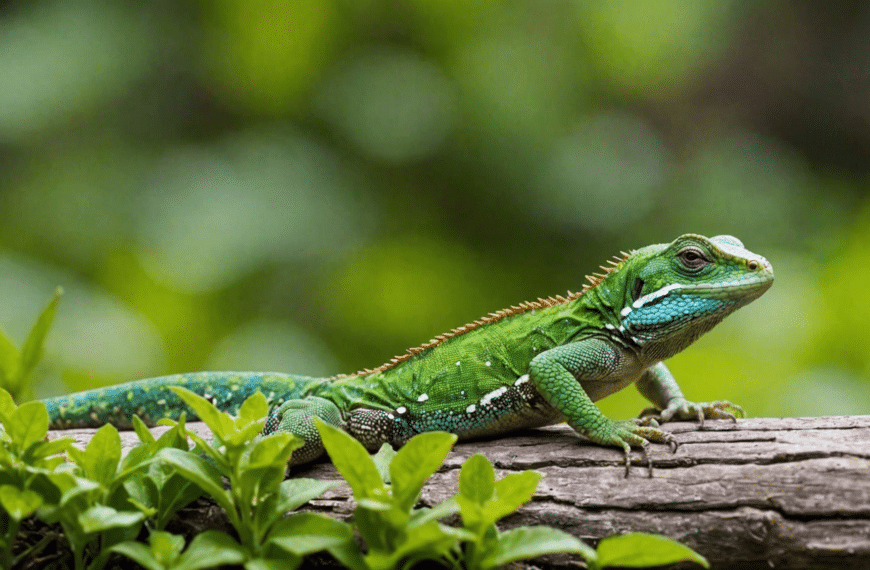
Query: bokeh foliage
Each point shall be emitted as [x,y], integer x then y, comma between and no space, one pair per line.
[316,185]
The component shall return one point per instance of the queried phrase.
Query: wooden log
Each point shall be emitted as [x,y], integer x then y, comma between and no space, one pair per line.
[761,493]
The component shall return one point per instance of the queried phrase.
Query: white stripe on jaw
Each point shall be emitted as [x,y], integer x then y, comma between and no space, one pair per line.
[650,297]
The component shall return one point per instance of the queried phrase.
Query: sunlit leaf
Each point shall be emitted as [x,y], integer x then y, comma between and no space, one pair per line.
[19,503]
[527,542]
[415,462]
[28,424]
[31,352]
[639,550]
[352,461]
[200,472]
[209,549]
[101,517]
[310,532]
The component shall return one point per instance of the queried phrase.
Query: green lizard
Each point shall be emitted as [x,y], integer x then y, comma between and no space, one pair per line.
[538,363]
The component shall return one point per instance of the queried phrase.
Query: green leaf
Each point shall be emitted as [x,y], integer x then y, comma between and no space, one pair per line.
[382,460]
[139,553]
[375,505]
[415,462]
[220,424]
[28,424]
[430,541]
[31,352]
[101,517]
[200,472]
[273,450]
[637,550]
[209,549]
[352,461]
[296,492]
[166,546]
[511,492]
[80,486]
[142,507]
[254,408]
[10,364]
[7,406]
[476,490]
[19,503]
[477,479]
[52,447]
[286,562]
[102,455]
[530,541]
[349,555]
[309,532]
[443,509]
[142,431]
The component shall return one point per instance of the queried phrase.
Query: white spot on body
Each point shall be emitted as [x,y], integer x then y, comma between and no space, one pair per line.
[522,380]
[457,363]
[487,398]
[401,410]
[422,397]
[470,409]
[488,363]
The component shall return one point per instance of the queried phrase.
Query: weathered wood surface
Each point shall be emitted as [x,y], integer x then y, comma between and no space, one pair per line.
[762,493]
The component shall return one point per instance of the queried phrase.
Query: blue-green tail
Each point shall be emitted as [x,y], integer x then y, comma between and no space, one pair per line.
[151,399]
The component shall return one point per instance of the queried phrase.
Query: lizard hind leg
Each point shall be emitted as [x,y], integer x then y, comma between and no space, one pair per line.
[297,417]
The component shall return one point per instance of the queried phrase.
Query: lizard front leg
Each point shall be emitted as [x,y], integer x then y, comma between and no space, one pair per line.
[297,417]
[659,387]
[557,374]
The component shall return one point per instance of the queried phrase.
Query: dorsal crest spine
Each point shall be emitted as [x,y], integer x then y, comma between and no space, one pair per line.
[592,282]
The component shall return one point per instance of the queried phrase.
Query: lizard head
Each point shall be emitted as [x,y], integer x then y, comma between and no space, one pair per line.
[674,293]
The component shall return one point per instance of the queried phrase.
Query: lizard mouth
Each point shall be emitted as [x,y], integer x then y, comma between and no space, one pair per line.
[752,286]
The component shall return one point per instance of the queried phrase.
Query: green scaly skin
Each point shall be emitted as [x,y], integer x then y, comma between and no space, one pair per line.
[541,363]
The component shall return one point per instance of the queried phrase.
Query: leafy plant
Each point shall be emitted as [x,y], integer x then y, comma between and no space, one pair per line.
[96,508]
[27,460]
[258,496]
[396,534]
[483,501]
[159,491]
[206,550]
[16,365]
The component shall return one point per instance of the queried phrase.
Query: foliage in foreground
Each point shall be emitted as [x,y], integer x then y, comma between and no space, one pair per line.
[105,503]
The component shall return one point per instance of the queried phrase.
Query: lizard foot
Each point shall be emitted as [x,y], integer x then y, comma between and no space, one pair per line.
[631,433]
[682,409]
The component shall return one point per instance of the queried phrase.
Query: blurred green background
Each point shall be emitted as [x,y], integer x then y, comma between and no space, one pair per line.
[316,185]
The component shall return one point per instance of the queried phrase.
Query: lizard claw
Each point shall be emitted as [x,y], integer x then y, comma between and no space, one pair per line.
[682,409]
[628,434]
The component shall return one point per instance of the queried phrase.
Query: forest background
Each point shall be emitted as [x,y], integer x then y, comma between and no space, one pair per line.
[315,186]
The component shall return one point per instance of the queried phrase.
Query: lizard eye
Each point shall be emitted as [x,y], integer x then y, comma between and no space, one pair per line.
[692,258]
[637,289]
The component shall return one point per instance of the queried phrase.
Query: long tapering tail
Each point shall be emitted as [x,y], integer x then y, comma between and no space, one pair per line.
[151,399]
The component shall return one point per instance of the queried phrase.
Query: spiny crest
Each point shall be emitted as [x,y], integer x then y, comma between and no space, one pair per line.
[593,280]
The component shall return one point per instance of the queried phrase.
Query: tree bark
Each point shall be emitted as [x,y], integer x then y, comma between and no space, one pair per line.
[761,493]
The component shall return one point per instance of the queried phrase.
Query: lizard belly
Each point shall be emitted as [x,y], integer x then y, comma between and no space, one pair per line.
[515,406]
